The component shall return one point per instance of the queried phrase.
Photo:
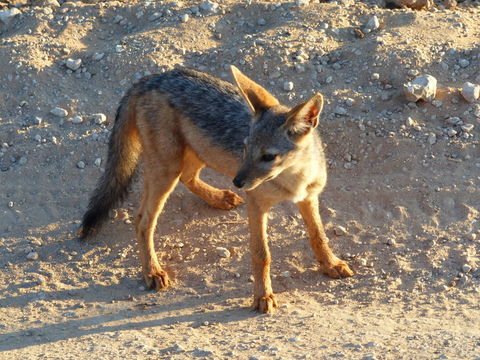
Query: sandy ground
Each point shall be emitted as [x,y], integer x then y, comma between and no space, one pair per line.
[405,207]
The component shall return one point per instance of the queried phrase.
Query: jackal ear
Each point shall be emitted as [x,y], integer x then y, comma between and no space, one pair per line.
[257,97]
[304,117]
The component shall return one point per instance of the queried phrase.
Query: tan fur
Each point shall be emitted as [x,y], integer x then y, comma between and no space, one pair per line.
[175,149]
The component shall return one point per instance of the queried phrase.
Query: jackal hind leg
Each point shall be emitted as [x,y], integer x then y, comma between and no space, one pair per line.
[159,182]
[221,199]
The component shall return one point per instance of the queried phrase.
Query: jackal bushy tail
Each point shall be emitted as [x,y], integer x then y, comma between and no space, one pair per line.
[123,152]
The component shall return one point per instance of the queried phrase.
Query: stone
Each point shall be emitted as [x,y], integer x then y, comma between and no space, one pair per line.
[58,111]
[77,119]
[7,15]
[470,92]
[223,252]
[288,86]
[262,22]
[302,2]
[423,87]
[32,256]
[209,7]
[339,230]
[184,18]
[432,139]
[463,63]
[467,127]
[81,164]
[372,24]
[99,118]
[414,4]
[73,64]
[98,56]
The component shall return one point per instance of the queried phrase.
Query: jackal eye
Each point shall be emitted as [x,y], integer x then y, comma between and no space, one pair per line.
[268,157]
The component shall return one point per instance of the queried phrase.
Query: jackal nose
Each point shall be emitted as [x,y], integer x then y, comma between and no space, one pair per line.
[238,183]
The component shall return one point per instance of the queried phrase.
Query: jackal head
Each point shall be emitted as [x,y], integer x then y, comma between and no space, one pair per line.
[278,136]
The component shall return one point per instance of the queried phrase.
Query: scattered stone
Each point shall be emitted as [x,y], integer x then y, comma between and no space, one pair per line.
[409,122]
[414,4]
[391,242]
[119,48]
[452,132]
[423,87]
[73,64]
[77,119]
[288,86]
[58,111]
[472,236]
[7,15]
[463,63]
[81,164]
[223,252]
[361,261]
[184,18]
[432,139]
[285,274]
[467,127]
[339,230]
[470,92]
[32,256]
[372,24]
[22,160]
[302,2]
[99,118]
[466,268]
[339,110]
[201,352]
[98,56]
[37,120]
[262,22]
[154,16]
[209,7]
[375,76]
[98,161]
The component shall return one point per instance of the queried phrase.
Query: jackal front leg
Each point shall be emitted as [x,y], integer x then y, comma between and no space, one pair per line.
[332,265]
[263,297]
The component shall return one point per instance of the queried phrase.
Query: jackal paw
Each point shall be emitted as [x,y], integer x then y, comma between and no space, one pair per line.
[229,200]
[157,280]
[265,304]
[339,269]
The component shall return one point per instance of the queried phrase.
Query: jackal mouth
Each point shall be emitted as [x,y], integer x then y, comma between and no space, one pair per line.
[257,183]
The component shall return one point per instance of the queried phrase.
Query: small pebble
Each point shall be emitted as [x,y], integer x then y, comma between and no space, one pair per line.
[463,63]
[339,230]
[98,56]
[99,118]
[432,139]
[285,274]
[184,18]
[77,119]
[33,255]
[81,164]
[288,86]
[73,64]
[466,268]
[372,24]
[98,161]
[58,111]
[262,22]
[470,92]
[223,252]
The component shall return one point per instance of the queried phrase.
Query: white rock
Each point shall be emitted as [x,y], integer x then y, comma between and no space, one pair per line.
[33,255]
[466,268]
[119,48]
[452,132]
[99,118]
[98,56]
[73,64]
[467,127]
[432,139]
[288,86]
[58,111]
[463,63]
[372,24]
[7,15]
[98,161]
[77,119]
[375,76]
[470,92]
[81,165]
[422,87]
[184,18]
[223,252]
[209,7]
[339,230]
[302,2]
